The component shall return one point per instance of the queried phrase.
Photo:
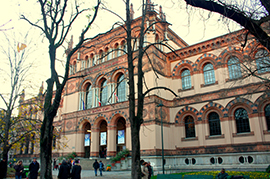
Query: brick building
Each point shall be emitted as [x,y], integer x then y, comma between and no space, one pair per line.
[221,119]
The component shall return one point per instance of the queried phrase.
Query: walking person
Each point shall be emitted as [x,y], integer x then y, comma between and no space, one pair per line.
[54,163]
[145,170]
[3,168]
[76,170]
[33,168]
[96,166]
[64,170]
[19,170]
[150,170]
[101,166]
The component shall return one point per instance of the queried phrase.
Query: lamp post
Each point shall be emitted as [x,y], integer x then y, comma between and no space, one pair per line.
[161,125]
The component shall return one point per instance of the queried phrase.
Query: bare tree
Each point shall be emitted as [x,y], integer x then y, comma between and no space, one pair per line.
[252,15]
[14,57]
[135,58]
[55,25]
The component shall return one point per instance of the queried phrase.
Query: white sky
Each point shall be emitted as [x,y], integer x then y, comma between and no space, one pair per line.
[190,24]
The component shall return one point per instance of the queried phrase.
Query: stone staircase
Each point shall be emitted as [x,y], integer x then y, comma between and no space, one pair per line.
[87,164]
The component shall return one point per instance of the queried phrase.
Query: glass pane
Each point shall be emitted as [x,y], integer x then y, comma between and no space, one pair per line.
[121,89]
[189,126]
[209,74]
[234,68]
[267,116]
[214,124]
[186,79]
[262,61]
[103,93]
[242,121]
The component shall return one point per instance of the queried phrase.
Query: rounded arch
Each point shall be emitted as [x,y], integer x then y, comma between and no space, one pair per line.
[212,107]
[100,80]
[117,114]
[229,52]
[116,74]
[123,42]
[82,122]
[240,103]
[204,59]
[182,65]
[181,114]
[99,120]
[86,80]
[251,48]
[261,102]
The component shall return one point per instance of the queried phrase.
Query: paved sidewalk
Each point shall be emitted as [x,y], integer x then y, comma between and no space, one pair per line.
[90,174]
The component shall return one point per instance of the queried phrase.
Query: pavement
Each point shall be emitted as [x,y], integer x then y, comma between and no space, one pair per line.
[90,174]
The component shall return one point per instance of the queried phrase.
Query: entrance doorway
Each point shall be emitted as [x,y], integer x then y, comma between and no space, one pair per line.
[121,135]
[103,139]
[87,139]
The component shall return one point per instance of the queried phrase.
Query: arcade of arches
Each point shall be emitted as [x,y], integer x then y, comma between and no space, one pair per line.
[103,139]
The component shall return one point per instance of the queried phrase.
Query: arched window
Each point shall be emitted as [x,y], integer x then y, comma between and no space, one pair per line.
[214,124]
[242,121]
[189,126]
[117,51]
[267,115]
[262,61]
[121,89]
[186,79]
[234,68]
[209,74]
[88,97]
[124,48]
[103,93]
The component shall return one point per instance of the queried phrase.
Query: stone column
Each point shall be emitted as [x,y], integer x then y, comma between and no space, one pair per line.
[111,146]
[94,151]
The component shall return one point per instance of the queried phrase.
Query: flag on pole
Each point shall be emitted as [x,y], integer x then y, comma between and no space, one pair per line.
[116,97]
[83,106]
[99,102]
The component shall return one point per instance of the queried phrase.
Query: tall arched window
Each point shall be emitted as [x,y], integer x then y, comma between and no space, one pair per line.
[121,88]
[103,93]
[209,74]
[186,79]
[214,124]
[242,121]
[262,61]
[189,126]
[234,68]
[88,97]
[267,115]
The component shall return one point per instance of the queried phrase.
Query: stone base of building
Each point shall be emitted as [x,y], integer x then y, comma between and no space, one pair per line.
[252,161]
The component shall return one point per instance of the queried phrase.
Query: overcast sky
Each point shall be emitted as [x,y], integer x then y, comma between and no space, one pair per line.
[192,25]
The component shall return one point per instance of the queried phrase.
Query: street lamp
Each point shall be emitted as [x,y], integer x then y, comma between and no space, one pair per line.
[161,125]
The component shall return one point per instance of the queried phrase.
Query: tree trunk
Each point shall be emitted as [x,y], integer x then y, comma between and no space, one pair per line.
[46,148]
[135,137]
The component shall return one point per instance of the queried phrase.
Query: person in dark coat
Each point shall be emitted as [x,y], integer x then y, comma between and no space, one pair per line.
[96,166]
[3,168]
[76,170]
[19,170]
[222,174]
[33,168]
[64,171]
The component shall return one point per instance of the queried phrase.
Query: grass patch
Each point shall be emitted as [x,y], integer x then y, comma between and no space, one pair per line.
[252,175]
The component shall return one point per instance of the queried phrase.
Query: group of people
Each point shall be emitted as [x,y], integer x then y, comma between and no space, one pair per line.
[146,169]
[66,170]
[97,166]
[19,169]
